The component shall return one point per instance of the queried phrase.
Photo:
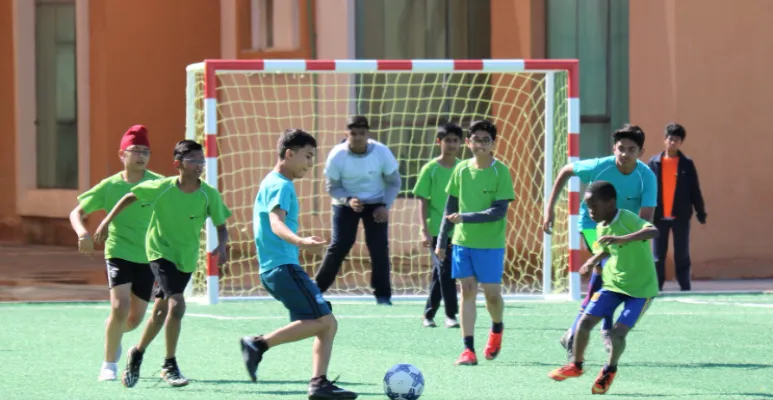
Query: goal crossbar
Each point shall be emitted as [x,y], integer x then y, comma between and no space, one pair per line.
[212,69]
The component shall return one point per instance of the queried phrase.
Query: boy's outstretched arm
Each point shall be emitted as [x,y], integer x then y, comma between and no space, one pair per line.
[101,233]
[563,176]
[497,211]
[646,233]
[452,207]
[277,219]
[85,243]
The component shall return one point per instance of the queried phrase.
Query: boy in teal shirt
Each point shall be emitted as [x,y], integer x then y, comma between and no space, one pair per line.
[275,221]
[479,193]
[129,276]
[430,189]
[629,279]
[180,207]
[637,189]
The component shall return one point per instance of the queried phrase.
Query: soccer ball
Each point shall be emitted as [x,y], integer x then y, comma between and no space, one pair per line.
[403,382]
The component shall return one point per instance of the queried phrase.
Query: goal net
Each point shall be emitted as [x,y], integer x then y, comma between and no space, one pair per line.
[238,108]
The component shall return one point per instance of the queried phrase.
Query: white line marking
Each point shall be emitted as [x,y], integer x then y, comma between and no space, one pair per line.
[724,303]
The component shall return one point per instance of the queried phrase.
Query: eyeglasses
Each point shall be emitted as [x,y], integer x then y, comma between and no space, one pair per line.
[139,152]
[194,161]
[481,141]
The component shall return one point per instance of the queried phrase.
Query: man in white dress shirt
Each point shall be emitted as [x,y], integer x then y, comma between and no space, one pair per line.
[363,178]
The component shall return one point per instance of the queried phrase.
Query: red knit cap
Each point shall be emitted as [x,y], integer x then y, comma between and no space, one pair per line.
[136,135]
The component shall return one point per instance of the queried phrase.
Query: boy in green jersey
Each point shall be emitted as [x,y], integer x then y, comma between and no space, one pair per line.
[629,279]
[479,193]
[430,189]
[180,207]
[128,273]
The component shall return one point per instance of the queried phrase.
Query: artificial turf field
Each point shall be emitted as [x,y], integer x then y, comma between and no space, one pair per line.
[685,347]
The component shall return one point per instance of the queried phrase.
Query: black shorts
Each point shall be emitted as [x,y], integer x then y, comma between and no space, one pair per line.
[121,272]
[169,279]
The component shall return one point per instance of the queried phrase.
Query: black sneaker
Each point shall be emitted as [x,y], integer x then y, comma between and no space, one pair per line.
[383,301]
[132,372]
[323,389]
[252,356]
[170,372]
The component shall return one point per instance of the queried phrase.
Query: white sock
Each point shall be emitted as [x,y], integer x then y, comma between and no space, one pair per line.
[113,366]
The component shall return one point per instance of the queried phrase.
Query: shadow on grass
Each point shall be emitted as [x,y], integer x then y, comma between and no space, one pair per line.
[690,395]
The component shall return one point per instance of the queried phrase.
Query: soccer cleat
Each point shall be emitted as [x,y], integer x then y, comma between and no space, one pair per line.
[607,338]
[170,372]
[108,372]
[429,323]
[467,358]
[451,322]
[132,372]
[252,356]
[603,382]
[567,371]
[567,341]
[493,346]
[323,389]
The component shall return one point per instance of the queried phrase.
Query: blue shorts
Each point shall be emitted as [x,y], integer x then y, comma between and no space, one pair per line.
[291,285]
[605,302]
[486,265]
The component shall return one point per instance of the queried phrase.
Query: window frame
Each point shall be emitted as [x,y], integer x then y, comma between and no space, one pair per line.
[32,201]
[306,22]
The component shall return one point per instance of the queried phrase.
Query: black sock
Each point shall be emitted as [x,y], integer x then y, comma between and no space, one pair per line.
[318,379]
[497,327]
[261,344]
[469,343]
[610,369]
[170,361]
[578,364]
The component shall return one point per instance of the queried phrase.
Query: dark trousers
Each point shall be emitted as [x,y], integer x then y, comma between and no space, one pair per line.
[681,231]
[345,223]
[442,286]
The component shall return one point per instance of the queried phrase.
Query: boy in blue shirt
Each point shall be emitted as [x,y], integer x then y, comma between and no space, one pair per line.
[637,191]
[275,220]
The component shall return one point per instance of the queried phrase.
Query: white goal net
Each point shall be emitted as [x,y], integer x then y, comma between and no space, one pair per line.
[238,108]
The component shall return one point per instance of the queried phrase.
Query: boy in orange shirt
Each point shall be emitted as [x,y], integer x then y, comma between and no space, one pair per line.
[680,193]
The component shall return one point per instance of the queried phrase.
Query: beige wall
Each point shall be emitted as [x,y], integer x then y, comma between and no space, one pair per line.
[706,64]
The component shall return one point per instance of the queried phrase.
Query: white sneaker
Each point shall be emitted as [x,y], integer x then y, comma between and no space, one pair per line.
[452,323]
[108,372]
[429,323]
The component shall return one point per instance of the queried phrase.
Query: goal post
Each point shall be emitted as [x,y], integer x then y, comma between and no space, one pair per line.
[237,108]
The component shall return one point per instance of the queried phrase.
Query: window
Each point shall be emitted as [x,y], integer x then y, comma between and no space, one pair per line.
[274,28]
[56,95]
[596,33]
[405,108]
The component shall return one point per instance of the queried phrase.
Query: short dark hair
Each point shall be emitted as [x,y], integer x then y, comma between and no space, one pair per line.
[185,147]
[630,132]
[484,125]
[674,129]
[449,128]
[602,190]
[294,139]
[358,121]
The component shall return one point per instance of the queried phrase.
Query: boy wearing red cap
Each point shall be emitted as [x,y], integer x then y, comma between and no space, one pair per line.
[128,273]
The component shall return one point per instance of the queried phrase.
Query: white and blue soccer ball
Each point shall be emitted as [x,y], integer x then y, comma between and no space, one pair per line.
[403,382]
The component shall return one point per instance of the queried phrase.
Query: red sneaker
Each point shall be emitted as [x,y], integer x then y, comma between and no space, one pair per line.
[567,371]
[603,382]
[467,358]
[493,346]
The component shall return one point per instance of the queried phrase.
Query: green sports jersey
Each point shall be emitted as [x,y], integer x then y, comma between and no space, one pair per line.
[476,190]
[630,268]
[175,225]
[126,233]
[431,185]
